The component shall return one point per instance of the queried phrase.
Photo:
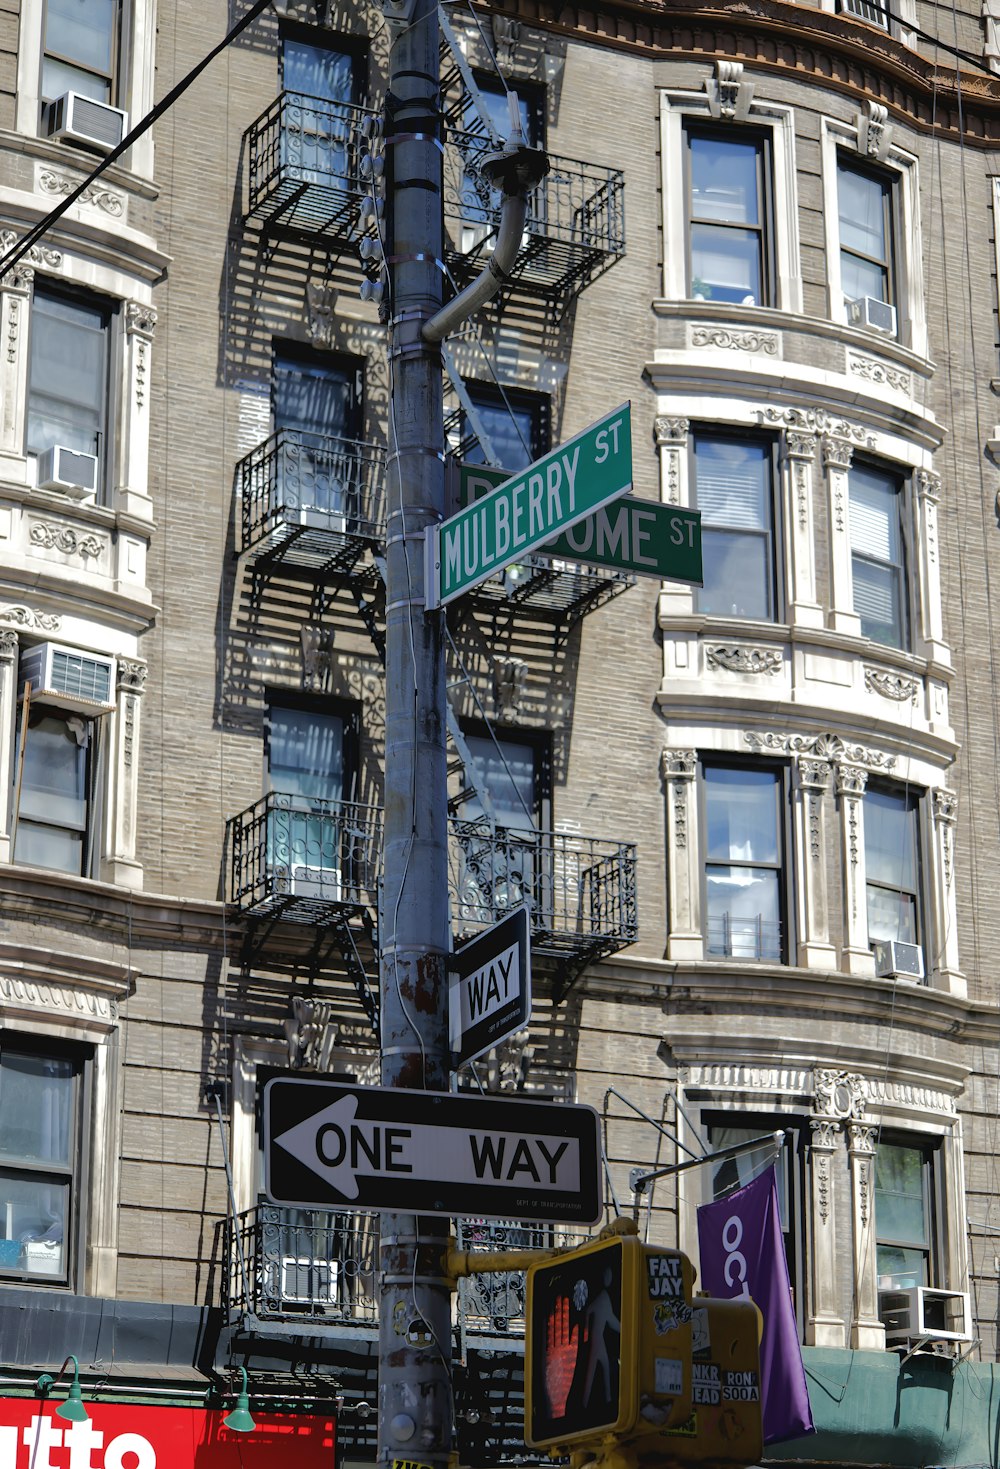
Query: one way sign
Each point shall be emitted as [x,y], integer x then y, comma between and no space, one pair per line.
[331,1146]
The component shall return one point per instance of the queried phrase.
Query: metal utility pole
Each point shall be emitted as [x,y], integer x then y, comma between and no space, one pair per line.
[415,1399]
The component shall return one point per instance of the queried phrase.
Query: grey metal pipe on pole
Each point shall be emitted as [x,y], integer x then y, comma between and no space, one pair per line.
[415,1400]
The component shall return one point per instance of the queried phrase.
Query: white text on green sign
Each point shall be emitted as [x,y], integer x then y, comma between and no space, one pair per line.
[638,536]
[548,497]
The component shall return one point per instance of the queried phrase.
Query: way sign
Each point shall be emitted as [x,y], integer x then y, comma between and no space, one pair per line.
[548,497]
[328,1145]
[638,536]
[489,990]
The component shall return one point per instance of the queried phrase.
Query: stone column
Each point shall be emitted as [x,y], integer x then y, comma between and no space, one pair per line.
[800,452]
[837,455]
[9,648]
[15,299]
[928,487]
[119,865]
[672,442]
[943,925]
[867,1331]
[856,958]
[824,1323]
[683,864]
[131,472]
[812,782]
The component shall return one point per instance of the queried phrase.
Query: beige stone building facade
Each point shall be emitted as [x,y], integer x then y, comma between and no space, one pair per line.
[756,821]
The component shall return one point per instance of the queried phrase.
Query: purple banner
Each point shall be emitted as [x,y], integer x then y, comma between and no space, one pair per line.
[743,1255]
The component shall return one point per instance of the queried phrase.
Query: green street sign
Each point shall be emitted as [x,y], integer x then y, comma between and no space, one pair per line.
[529,509]
[639,536]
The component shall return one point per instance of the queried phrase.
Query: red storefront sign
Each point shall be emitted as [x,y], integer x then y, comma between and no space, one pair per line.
[132,1436]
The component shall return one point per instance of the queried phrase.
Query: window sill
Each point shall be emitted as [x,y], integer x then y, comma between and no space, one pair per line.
[67,156]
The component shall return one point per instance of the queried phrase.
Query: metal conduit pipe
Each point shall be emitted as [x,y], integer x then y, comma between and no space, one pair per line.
[513,213]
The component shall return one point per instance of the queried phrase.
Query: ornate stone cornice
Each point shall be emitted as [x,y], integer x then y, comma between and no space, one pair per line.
[747,1076]
[815,421]
[895,686]
[744,660]
[823,746]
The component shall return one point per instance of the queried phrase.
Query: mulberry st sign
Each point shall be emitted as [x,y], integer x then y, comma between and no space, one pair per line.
[544,500]
[328,1145]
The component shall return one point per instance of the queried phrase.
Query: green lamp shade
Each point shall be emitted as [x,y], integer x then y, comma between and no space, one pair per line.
[239,1420]
[73,1409]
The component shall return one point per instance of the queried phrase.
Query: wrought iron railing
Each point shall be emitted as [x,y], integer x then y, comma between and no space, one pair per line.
[576,214]
[305,856]
[754,937]
[304,165]
[302,1264]
[302,481]
[494,1302]
[310,1266]
[580,890]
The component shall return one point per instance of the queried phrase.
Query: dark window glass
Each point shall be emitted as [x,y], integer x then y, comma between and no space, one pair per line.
[733,489]
[39,1102]
[516,425]
[318,408]
[892,865]
[305,763]
[743,862]
[727,218]
[80,51]
[53,801]
[319,118]
[903,1217]
[865,201]
[878,566]
[506,769]
[67,374]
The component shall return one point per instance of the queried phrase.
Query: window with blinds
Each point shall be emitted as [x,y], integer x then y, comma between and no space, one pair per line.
[733,488]
[878,566]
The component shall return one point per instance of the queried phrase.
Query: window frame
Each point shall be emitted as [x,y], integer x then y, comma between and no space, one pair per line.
[539,742]
[493,396]
[910,794]
[106,434]
[113,76]
[773,534]
[95,789]
[742,133]
[792,1161]
[353,47]
[345,710]
[932,1188]
[293,353]
[784,868]
[78,1172]
[905,582]
[852,163]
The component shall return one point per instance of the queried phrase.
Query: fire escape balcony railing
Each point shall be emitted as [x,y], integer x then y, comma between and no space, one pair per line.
[311,503]
[305,860]
[574,231]
[580,890]
[303,163]
[309,1268]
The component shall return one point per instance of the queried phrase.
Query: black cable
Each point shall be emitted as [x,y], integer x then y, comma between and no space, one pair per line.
[18,251]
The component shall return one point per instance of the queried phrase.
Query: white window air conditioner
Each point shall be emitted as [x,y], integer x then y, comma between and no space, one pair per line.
[73,118]
[308,1281]
[68,471]
[301,880]
[873,315]
[896,960]
[317,518]
[67,678]
[924,1314]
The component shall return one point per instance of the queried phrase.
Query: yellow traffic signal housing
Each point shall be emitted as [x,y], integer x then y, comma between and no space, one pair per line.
[725,1426]
[608,1344]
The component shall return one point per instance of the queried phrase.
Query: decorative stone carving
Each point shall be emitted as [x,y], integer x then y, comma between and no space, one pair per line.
[799,445]
[96,194]
[510,675]
[132,675]
[745,660]
[8,644]
[28,617]
[851,780]
[128,733]
[928,483]
[945,804]
[824,746]
[863,1135]
[824,1141]
[880,373]
[321,300]
[874,131]
[13,322]
[814,774]
[670,430]
[837,453]
[729,96]
[732,339]
[311,1032]
[56,997]
[65,539]
[743,1076]
[905,1094]
[817,421]
[679,764]
[825,1132]
[893,686]
[839,1094]
[139,317]
[37,255]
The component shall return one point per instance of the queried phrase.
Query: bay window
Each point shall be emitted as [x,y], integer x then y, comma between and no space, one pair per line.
[865,202]
[55,805]
[904,1220]
[728,216]
[878,555]
[734,490]
[68,375]
[892,864]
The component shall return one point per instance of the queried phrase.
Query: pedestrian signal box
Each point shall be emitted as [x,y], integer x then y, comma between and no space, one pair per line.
[725,1426]
[608,1344]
